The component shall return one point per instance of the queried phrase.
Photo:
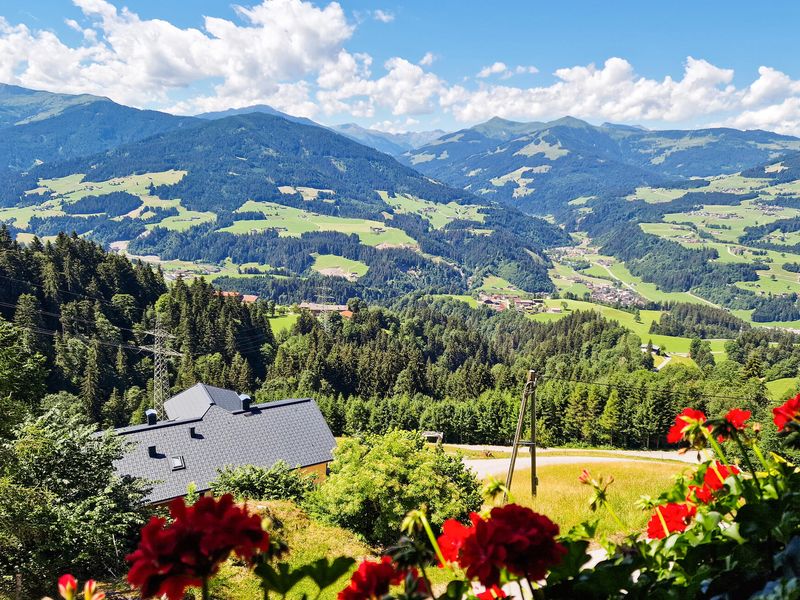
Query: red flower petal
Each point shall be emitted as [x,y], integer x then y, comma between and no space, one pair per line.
[717,473]
[737,417]
[174,556]
[669,518]
[684,421]
[67,585]
[786,412]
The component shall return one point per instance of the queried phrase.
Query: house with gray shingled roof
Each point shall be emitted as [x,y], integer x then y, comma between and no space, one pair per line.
[209,428]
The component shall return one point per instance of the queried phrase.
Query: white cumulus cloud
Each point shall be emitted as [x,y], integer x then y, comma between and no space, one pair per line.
[295,55]
[428,59]
[384,16]
[493,69]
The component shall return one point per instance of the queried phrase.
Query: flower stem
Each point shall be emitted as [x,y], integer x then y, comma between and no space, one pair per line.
[746,459]
[765,464]
[530,586]
[613,513]
[761,459]
[206,592]
[426,578]
[715,445]
[428,530]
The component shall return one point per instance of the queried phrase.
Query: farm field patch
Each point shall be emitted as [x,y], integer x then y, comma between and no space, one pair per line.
[671,344]
[339,266]
[779,389]
[438,214]
[729,222]
[497,285]
[291,221]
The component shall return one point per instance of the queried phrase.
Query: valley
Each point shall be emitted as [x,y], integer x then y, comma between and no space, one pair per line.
[402,301]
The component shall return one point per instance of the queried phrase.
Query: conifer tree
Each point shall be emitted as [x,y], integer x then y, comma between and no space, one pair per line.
[753,367]
[611,418]
[90,383]
[28,318]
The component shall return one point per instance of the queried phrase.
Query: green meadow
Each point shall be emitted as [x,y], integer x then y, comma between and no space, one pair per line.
[672,344]
[438,214]
[328,264]
[293,222]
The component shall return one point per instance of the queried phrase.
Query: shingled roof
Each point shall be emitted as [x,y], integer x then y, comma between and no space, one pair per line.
[174,453]
[194,402]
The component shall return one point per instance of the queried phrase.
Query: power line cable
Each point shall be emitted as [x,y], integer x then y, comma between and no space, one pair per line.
[76,319]
[92,298]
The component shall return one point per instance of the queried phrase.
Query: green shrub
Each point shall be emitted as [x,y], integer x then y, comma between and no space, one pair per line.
[278,482]
[62,506]
[376,480]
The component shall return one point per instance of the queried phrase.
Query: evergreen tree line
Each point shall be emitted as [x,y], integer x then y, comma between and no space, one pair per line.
[76,316]
[698,320]
[84,314]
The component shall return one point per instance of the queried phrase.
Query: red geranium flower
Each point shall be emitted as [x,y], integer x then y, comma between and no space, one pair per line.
[371,580]
[717,473]
[177,555]
[669,518]
[453,535]
[687,426]
[513,537]
[737,417]
[67,585]
[697,493]
[786,412]
[492,593]
[733,422]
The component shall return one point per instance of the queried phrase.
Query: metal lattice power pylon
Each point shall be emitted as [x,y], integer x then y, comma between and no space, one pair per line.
[160,369]
[160,374]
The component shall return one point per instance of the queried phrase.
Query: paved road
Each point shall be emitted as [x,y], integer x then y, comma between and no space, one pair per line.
[483,467]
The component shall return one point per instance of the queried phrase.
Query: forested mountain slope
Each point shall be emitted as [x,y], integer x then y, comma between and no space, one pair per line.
[543,166]
[258,189]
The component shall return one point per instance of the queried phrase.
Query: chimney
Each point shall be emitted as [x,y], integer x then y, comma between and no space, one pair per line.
[192,432]
[152,416]
[151,451]
[245,401]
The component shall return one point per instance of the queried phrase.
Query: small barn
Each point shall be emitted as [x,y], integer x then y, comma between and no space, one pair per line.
[209,428]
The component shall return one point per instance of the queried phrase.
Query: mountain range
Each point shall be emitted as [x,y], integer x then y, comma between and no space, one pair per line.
[38,127]
[540,167]
[273,194]
[389,143]
[260,189]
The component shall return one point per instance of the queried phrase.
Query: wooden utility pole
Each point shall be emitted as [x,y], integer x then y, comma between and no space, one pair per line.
[528,393]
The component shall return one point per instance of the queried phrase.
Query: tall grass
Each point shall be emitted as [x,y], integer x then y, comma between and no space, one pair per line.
[564,500]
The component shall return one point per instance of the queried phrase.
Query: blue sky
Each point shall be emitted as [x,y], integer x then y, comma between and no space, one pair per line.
[415,65]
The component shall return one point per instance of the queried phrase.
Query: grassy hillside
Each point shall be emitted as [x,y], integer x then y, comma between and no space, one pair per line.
[678,345]
[261,190]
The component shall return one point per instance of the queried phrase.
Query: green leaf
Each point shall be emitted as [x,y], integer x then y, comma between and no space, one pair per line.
[281,580]
[733,533]
[583,531]
[324,573]
[571,564]
[455,590]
